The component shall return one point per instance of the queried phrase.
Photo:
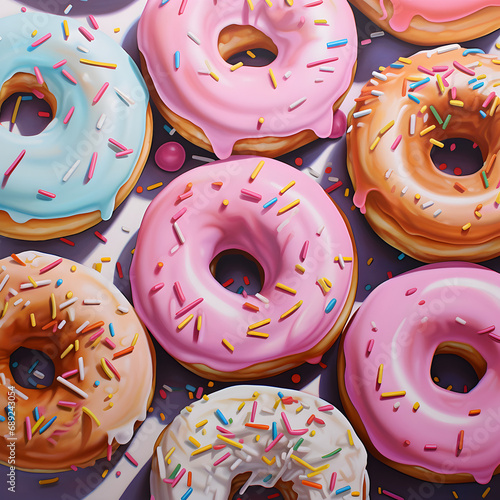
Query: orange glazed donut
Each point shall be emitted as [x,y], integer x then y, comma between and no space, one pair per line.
[76,364]
[402,114]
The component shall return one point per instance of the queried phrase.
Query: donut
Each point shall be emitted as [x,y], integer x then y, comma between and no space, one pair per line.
[433,23]
[403,417]
[191,60]
[76,364]
[89,157]
[404,112]
[288,225]
[263,436]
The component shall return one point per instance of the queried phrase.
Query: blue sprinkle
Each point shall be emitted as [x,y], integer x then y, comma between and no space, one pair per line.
[112,329]
[413,98]
[368,288]
[222,418]
[15,364]
[9,412]
[167,128]
[330,305]
[27,98]
[163,2]
[478,86]
[36,414]
[33,366]
[472,80]
[240,290]
[270,202]
[190,490]
[421,82]
[177,57]
[401,256]
[267,478]
[280,395]
[342,490]
[96,383]
[482,113]
[190,388]
[472,51]
[32,382]
[337,43]
[47,425]
[59,282]
[275,430]
[2,418]
[397,65]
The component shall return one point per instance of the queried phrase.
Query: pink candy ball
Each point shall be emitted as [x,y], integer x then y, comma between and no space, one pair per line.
[170,156]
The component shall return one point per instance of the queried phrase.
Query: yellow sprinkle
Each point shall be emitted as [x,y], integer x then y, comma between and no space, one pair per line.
[481,77]
[33,282]
[299,409]
[302,462]
[116,30]
[48,481]
[258,168]
[349,437]
[230,441]
[91,415]
[228,344]
[436,143]
[379,490]
[106,369]
[292,309]
[456,102]
[77,345]
[416,406]
[194,441]
[300,268]
[154,186]
[205,397]
[53,305]
[34,33]
[423,108]
[261,120]
[134,340]
[38,424]
[201,423]
[466,226]
[355,494]
[225,202]
[67,351]
[98,63]
[198,327]
[404,60]
[16,109]
[288,207]
[380,373]
[393,394]
[455,494]
[346,259]
[319,470]
[250,53]
[105,473]
[257,437]
[320,21]
[290,3]
[198,451]
[250,4]
[486,491]
[286,288]
[386,128]
[269,3]
[105,259]
[98,266]
[427,130]
[381,68]
[69,295]
[96,341]
[66,28]
[415,78]
[323,285]
[440,83]
[277,403]
[417,196]
[169,453]
[182,324]
[346,192]
[264,322]
[494,105]
[269,462]
[214,76]
[203,432]
[73,269]
[374,143]
[241,406]
[255,394]
[287,187]
[189,409]
[234,67]
[497,201]
[368,262]
[258,334]
[33,320]
[273,79]
[496,61]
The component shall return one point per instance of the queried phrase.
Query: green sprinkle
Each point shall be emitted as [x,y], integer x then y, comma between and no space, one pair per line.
[332,453]
[485,180]
[436,114]
[230,420]
[298,443]
[174,473]
[267,478]
[445,124]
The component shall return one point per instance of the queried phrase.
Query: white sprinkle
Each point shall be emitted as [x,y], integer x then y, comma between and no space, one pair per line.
[388,173]
[73,387]
[67,10]
[380,76]
[172,131]
[413,122]
[349,129]
[61,324]
[321,228]
[473,65]
[202,158]
[174,249]
[161,463]
[319,80]
[297,103]
[27,303]
[81,368]
[424,319]
[437,212]
[39,374]
[125,229]
[377,34]
[178,231]
[82,327]
[167,388]
[373,82]
[195,40]
[91,302]
[427,204]
[458,319]
[23,286]
[71,314]
[287,75]
[17,302]
[20,394]
[3,269]
[448,48]
[359,114]
[2,378]
[101,121]
[13,292]
[68,303]
[123,309]
[328,69]
[378,93]
[236,463]
[341,262]
[404,190]
[262,298]
[313,172]
[203,72]
[282,225]
[71,171]
[397,404]
[374,326]
[5,279]
[125,97]
[81,48]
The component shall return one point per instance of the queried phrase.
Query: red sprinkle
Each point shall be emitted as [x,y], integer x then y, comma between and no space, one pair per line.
[230,281]
[68,242]
[163,394]
[100,236]
[119,269]
[333,187]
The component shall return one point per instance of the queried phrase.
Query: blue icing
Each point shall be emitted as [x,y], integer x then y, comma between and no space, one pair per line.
[52,153]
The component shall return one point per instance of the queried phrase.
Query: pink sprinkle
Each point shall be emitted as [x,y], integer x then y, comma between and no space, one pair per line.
[157,287]
[333,480]
[37,93]
[430,447]
[462,68]
[100,236]
[326,408]
[99,94]
[411,291]
[124,153]
[199,392]
[184,196]
[313,4]
[367,41]
[370,346]
[93,162]
[179,292]
[112,368]
[486,330]
[178,477]
[116,143]
[46,193]
[425,70]
[302,21]
[50,266]
[244,293]
[303,252]
[39,77]
[69,374]
[179,214]
[89,36]
[225,431]
[182,7]
[52,441]
[74,467]
[323,61]
[28,428]
[15,163]
[274,442]
[454,93]
[296,432]
[93,22]
[69,115]
[251,194]
[489,99]
[254,411]
[109,343]
[494,337]
[392,495]
[132,459]
[225,457]
[66,403]
[109,452]
[41,40]
[218,446]
[59,64]
[439,69]
[395,144]
[453,147]
[184,310]
[118,473]
[69,77]
[96,334]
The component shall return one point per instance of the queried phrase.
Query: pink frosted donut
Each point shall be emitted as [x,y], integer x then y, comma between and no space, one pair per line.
[287,223]
[267,110]
[405,419]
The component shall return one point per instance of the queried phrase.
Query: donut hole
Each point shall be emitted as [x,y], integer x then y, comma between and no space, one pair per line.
[235,41]
[237,270]
[283,489]
[31,369]
[457,367]
[459,156]
[18,103]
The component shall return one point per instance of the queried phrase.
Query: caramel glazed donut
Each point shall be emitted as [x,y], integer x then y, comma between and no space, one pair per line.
[243,436]
[402,415]
[405,111]
[78,359]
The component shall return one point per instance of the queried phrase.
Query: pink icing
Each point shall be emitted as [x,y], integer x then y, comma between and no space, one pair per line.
[405,336]
[276,241]
[442,11]
[229,109]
